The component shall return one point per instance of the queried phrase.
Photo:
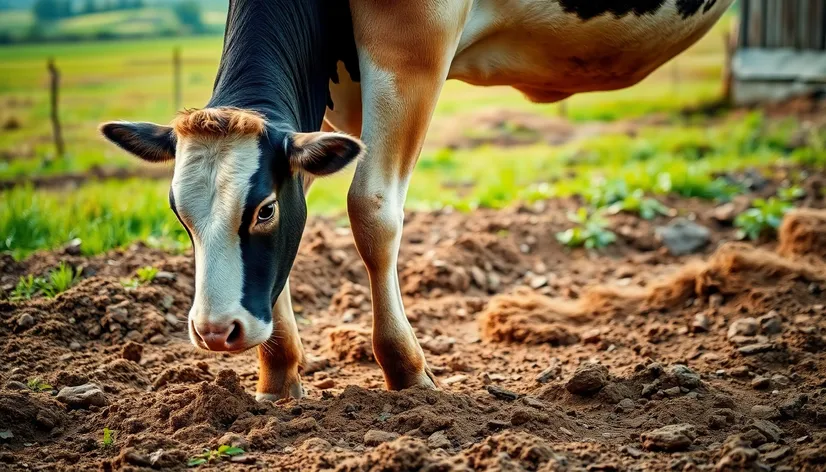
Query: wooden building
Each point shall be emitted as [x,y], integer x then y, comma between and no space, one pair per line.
[781,50]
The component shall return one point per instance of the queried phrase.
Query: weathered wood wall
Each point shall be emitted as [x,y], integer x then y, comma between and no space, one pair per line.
[774,24]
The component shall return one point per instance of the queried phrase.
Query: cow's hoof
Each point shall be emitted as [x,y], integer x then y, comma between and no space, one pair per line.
[295,390]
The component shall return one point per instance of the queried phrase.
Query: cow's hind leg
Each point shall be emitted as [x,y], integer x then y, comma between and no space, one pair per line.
[280,359]
[400,81]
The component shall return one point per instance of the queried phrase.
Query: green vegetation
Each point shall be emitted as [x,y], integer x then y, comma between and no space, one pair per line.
[108,437]
[765,215]
[145,275]
[214,455]
[591,231]
[57,281]
[37,385]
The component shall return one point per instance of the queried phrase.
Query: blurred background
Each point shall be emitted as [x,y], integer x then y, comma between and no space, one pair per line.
[742,101]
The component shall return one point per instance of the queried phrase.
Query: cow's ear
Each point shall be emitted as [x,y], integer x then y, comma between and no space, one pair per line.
[322,153]
[150,142]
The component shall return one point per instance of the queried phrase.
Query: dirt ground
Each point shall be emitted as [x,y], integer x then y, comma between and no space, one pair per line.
[549,359]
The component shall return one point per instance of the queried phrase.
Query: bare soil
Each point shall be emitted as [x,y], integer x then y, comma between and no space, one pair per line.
[549,358]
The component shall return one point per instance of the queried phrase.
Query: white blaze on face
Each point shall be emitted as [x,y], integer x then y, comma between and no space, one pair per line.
[210,187]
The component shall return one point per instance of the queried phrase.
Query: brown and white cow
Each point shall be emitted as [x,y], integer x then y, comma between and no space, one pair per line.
[374,70]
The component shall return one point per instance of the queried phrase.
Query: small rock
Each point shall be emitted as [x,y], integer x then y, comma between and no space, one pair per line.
[770,323]
[171,319]
[752,349]
[315,364]
[537,282]
[684,376]
[715,301]
[82,396]
[764,411]
[135,458]
[740,371]
[550,373]
[566,431]
[164,276]
[701,323]
[234,440]
[132,351]
[325,384]
[632,451]
[501,393]
[118,312]
[479,278]
[531,401]
[438,440]
[243,459]
[768,429]
[498,425]
[743,327]
[588,379]
[675,437]
[626,404]
[780,380]
[374,437]
[6,434]
[760,382]
[25,321]
[439,345]
[672,392]
[458,378]
[777,454]
[725,213]
[15,385]
[683,237]
[74,345]
[592,336]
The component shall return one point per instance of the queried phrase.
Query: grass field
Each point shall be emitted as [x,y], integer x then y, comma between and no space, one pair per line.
[133,80]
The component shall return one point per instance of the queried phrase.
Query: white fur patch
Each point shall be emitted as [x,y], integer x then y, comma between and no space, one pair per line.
[210,186]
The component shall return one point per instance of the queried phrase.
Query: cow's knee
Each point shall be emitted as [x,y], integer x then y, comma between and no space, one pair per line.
[376,221]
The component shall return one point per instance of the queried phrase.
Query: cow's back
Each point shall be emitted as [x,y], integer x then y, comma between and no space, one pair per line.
[550,49]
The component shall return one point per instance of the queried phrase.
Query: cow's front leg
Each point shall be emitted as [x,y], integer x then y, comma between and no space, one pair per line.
[281,358]
[401,78]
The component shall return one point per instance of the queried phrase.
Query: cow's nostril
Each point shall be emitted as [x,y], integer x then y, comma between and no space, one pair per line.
[235,333]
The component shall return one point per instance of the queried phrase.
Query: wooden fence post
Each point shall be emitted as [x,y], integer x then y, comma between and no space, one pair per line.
[176,71]
[54,87]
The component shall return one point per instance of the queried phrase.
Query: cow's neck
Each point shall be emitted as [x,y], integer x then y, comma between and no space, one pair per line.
[274,62]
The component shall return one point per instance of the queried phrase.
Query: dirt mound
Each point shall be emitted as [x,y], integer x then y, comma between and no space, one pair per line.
[549,358]
[803,233]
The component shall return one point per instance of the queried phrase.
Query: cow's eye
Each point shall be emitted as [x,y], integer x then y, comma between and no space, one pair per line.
[266,212]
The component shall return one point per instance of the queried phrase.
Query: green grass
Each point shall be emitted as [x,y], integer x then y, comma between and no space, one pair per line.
[680,159]
[59,279]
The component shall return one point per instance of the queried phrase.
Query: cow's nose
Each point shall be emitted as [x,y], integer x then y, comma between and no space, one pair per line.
[228,336]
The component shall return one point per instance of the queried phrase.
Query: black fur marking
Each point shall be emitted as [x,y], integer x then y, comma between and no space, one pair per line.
[688,8]
[587,9]
[268,257]
[709,4]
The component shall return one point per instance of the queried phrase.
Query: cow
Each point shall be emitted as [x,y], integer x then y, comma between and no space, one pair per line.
[300,80]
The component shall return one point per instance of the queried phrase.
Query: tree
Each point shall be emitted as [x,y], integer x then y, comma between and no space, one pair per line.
[189,14]
[51,10]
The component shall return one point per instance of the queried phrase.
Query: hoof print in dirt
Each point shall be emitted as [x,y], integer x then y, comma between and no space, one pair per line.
[675,437]
[82,396]
[588,379]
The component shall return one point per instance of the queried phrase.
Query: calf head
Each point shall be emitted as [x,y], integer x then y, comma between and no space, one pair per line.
[238,191]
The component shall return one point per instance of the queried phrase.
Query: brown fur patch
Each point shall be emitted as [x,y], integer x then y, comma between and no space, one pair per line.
[218,122]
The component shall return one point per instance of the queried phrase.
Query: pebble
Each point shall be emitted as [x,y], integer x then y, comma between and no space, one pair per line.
[743,327]
[74,345]
[458,378]
[632,451]
[770,323]
[325,384]
[768,429]
[760,382]
[374,437]
[82,396]
[501,393]
[550,373]
[566,431]
[683,236]
[715,301]
[777,454]
[672,392]
[626,404]
[132,351]
[675,437]
[684,376]
[757,348]
[781,380]
[15,385]
[235,440]
[740,371]
[701,323]
[439,345]
[315,364]
[588,378]
[25,321]
[764,411]
[438,440]
[165,276]
[531,401]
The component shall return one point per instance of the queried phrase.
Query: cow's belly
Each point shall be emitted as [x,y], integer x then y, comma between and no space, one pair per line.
[548,53]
